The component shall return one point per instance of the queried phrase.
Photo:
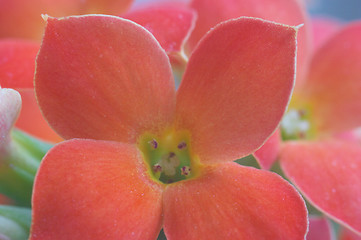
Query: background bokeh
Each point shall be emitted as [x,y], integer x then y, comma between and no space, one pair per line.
[346,10]
[343,9]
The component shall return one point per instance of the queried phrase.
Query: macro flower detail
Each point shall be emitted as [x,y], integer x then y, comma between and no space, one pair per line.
[147,157]
[328,104]
[170,25]
[290,12]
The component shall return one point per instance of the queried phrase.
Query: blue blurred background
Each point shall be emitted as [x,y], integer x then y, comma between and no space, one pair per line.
[342,9]
[345,10]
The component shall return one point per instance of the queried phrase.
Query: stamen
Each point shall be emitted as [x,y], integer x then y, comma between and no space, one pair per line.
[182,145]
[185,170]
[157,168]
[153,143]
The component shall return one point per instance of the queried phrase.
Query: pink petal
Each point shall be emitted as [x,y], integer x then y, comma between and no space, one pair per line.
[88,189]
[319,229]
[236,87]
[17,63]
[333,86]
[290,12]
[322,29]
[328,174]
[268,153]
[230,201]
[103,77]
[171,25]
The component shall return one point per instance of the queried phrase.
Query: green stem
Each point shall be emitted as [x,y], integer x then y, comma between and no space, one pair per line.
[19,166]
[15,222]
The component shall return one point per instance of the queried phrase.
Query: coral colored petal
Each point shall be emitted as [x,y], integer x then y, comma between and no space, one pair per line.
[113,7]
[268,153]
[87,189]
[103,77]
[333,86]
[169,24]
[32,121]
[328,173]
[236,87]
[323,29]
[319,229]
[290,12]
[17,63]
[234,202]
[346,234]
[22,19]
[10,104]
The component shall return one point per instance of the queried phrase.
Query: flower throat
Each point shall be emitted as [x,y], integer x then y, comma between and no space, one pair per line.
[168,157]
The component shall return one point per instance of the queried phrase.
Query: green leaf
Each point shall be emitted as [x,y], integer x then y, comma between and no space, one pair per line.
[15,222]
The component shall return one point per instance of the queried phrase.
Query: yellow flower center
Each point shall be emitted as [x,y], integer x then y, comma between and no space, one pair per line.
[168,156]
[296,124]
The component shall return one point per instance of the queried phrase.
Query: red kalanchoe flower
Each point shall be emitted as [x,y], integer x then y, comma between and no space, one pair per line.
[171,25]
[290,12]
[15,53]
[150,157]
[20,26]
[327,171]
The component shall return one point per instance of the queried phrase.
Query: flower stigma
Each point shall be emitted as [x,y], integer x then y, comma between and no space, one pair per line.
[168,156]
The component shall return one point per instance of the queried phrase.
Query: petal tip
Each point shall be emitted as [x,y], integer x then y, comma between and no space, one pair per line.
[45,17]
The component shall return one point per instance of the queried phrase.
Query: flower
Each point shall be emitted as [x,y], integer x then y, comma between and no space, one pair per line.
[290,12]
[147,157]
[327,104]
[21,28]
[169,24]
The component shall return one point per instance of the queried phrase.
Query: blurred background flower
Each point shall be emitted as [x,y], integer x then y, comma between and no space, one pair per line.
[346,10]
